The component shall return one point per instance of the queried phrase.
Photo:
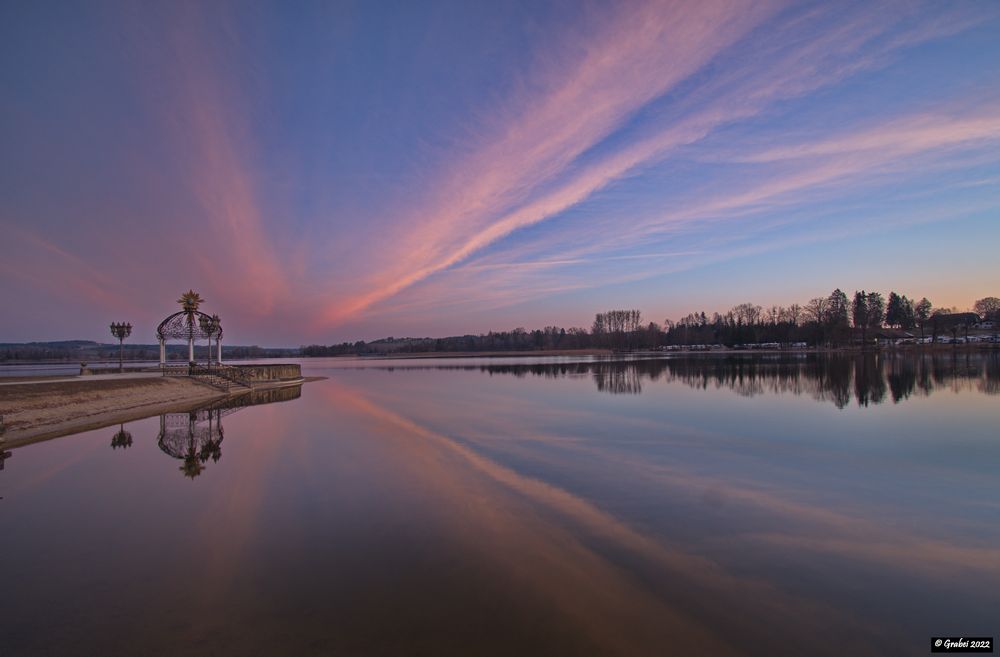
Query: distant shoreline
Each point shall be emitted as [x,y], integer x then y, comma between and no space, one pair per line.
[476,354]
[682,349]
[663,352]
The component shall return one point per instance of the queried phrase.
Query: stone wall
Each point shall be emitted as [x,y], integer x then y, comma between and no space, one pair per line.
[277,372]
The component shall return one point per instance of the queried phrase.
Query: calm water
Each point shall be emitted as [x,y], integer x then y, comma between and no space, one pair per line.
[698,506]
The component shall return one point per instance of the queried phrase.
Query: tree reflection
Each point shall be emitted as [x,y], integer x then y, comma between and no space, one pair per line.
[618,380]
[901,374]
[865,379]
[869,380]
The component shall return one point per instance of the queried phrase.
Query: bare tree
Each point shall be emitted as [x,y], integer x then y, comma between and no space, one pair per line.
[815,310]
[988,308]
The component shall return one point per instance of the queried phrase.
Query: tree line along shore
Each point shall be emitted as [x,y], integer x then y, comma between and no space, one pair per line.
[836,321]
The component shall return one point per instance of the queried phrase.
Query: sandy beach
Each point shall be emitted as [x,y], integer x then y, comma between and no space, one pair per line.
[42,410]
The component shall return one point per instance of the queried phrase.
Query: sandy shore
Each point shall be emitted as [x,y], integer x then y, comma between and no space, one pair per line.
[38,411]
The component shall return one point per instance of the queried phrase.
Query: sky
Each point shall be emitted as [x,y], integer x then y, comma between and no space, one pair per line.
[331,171]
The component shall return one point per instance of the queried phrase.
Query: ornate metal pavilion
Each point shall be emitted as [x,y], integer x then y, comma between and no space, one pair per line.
[190,324]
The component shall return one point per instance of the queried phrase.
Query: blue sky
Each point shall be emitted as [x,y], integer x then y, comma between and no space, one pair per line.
[331,171]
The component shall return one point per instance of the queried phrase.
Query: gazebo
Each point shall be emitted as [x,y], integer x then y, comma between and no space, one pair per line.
[190,324]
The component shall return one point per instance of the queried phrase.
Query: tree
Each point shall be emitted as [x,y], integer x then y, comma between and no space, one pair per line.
[618,326]
[876,310]
[922,313]
[837,309]
[815,317]
[599,329]
[815,310]
[894,310]
[653,332]
[906,313]
[988,308]
[859,314]
[774,315]
[747,313]
[794,314]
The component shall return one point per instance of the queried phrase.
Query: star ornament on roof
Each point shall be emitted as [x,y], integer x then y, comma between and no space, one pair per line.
[190,300]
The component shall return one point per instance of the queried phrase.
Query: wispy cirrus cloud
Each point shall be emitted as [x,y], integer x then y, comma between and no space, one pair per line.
[897,138]
[351,179]
[542,167]
[828,167]
[595,82]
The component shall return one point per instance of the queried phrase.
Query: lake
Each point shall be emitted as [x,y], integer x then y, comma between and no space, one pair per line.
[715,505]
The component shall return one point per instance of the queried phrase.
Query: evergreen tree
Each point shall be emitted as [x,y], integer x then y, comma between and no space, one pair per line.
[837,309]
[894,310]
[859,313]
[876,310]
[906,313]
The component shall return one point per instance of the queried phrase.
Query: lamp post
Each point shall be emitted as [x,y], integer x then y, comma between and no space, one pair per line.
[218,338]
[210,327]
[206,328]
[216,331]
[121,330]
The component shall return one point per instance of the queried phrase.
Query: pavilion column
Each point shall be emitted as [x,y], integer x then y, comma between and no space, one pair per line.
[163,352]
[218,342]
[190,348]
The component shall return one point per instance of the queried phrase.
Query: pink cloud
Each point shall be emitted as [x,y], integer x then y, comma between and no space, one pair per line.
[827,166]
[529,173]
[634,58]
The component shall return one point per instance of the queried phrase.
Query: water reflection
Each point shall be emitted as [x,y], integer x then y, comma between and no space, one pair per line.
[837,378]
[685,518]
[195,436]
[433,511]
[122,438]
